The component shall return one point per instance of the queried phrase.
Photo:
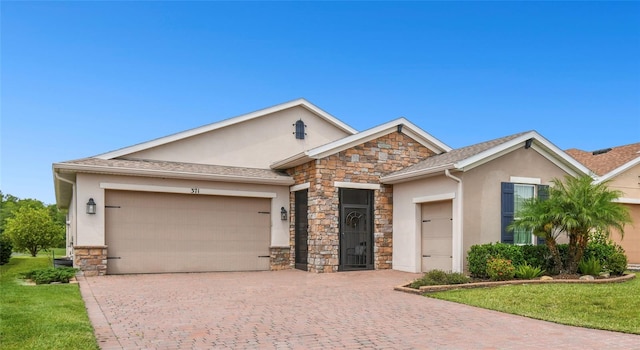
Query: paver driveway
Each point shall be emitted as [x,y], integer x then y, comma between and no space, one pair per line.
[298,310]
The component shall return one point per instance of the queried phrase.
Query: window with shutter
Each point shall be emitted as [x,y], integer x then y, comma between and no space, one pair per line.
[512,199]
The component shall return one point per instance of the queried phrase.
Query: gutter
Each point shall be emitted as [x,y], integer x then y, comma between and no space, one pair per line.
[457,224]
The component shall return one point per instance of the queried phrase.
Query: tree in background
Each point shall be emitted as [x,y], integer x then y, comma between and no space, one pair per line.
[9,206]
[32,230]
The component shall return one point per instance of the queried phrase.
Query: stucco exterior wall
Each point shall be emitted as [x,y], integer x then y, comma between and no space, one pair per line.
[629,183]
[91,228]
[256,143]
[407,198]
[480,201]
[482,194]
[362,164]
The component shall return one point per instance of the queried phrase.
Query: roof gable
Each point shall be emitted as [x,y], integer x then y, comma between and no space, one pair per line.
[398,125]
[469,157]
[123,152]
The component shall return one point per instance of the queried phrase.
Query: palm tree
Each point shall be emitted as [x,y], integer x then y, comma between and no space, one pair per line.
[588,207]
[540,216]
[576,207]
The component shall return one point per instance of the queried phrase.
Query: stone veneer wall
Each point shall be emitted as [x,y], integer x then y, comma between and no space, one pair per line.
[91,260]
[280,258]
[364,163]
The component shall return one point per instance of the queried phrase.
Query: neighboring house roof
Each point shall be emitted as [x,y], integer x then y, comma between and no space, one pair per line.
[467,158]
[609,162]
[227,122]
[400,124]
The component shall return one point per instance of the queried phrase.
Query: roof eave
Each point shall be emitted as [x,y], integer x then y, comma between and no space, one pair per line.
[400,124]
[77,168]
[413,175]
[292,161]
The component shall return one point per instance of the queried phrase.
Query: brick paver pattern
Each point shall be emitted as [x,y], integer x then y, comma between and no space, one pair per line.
[293,309]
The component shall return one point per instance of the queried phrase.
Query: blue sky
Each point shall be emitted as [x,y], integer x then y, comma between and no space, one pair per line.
[83,78]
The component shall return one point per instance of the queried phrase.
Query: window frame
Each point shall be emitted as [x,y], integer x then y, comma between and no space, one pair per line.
[507,210]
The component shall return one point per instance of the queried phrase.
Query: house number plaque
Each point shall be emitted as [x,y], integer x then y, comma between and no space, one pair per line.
[195,190]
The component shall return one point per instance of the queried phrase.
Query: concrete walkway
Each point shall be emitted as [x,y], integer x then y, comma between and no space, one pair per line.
[297,310]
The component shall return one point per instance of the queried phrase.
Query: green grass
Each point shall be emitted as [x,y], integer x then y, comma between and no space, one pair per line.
[41,317]
[611,306]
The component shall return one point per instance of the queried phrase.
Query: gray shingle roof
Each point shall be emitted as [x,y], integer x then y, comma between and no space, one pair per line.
[177,167]
[456,155]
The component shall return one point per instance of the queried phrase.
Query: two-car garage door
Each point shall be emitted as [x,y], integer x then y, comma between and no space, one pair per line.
[149,232]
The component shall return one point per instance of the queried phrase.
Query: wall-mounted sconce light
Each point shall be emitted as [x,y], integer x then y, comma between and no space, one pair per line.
[91,206]
[283,214]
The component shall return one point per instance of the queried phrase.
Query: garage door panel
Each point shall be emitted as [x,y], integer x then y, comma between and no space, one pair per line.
[157,232]
[436,236]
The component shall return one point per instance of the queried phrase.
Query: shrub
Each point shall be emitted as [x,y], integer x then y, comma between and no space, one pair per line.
[5,249]
[439,277]
[590,266]
[457,278]
[617,263]
[536,255]
[479,254]
[528,272]
[50,274]
[610,255]
[500,269]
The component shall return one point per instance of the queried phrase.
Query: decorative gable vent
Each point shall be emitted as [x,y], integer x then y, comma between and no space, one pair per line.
[300,129]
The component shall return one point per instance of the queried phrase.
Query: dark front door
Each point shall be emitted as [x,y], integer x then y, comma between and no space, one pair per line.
[301,229]
[356,229]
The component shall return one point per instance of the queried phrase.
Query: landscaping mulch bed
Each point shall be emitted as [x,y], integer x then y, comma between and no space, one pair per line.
[481,284]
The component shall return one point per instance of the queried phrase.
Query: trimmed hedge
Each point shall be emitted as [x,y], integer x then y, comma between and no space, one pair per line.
[479,254]
[610,256]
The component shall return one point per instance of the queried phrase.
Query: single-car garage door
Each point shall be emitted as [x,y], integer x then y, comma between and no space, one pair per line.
[149,232]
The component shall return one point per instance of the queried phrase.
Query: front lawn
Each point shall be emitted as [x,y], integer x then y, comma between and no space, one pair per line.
[611,306]
[44,316]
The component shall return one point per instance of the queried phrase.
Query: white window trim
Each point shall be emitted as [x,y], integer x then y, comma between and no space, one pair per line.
[525,180]
[355,185]
[300,187]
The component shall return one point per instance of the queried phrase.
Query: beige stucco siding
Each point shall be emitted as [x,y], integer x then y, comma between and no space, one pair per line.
[256,143]
[631,240]
[482,197]
[629,183]
[407,217]
[93,186]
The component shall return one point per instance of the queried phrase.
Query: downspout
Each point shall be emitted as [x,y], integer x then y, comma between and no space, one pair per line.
[75,213]
[456,241]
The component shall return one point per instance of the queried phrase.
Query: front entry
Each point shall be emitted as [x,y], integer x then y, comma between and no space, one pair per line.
[356,229]
[437,236]
[301,230]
